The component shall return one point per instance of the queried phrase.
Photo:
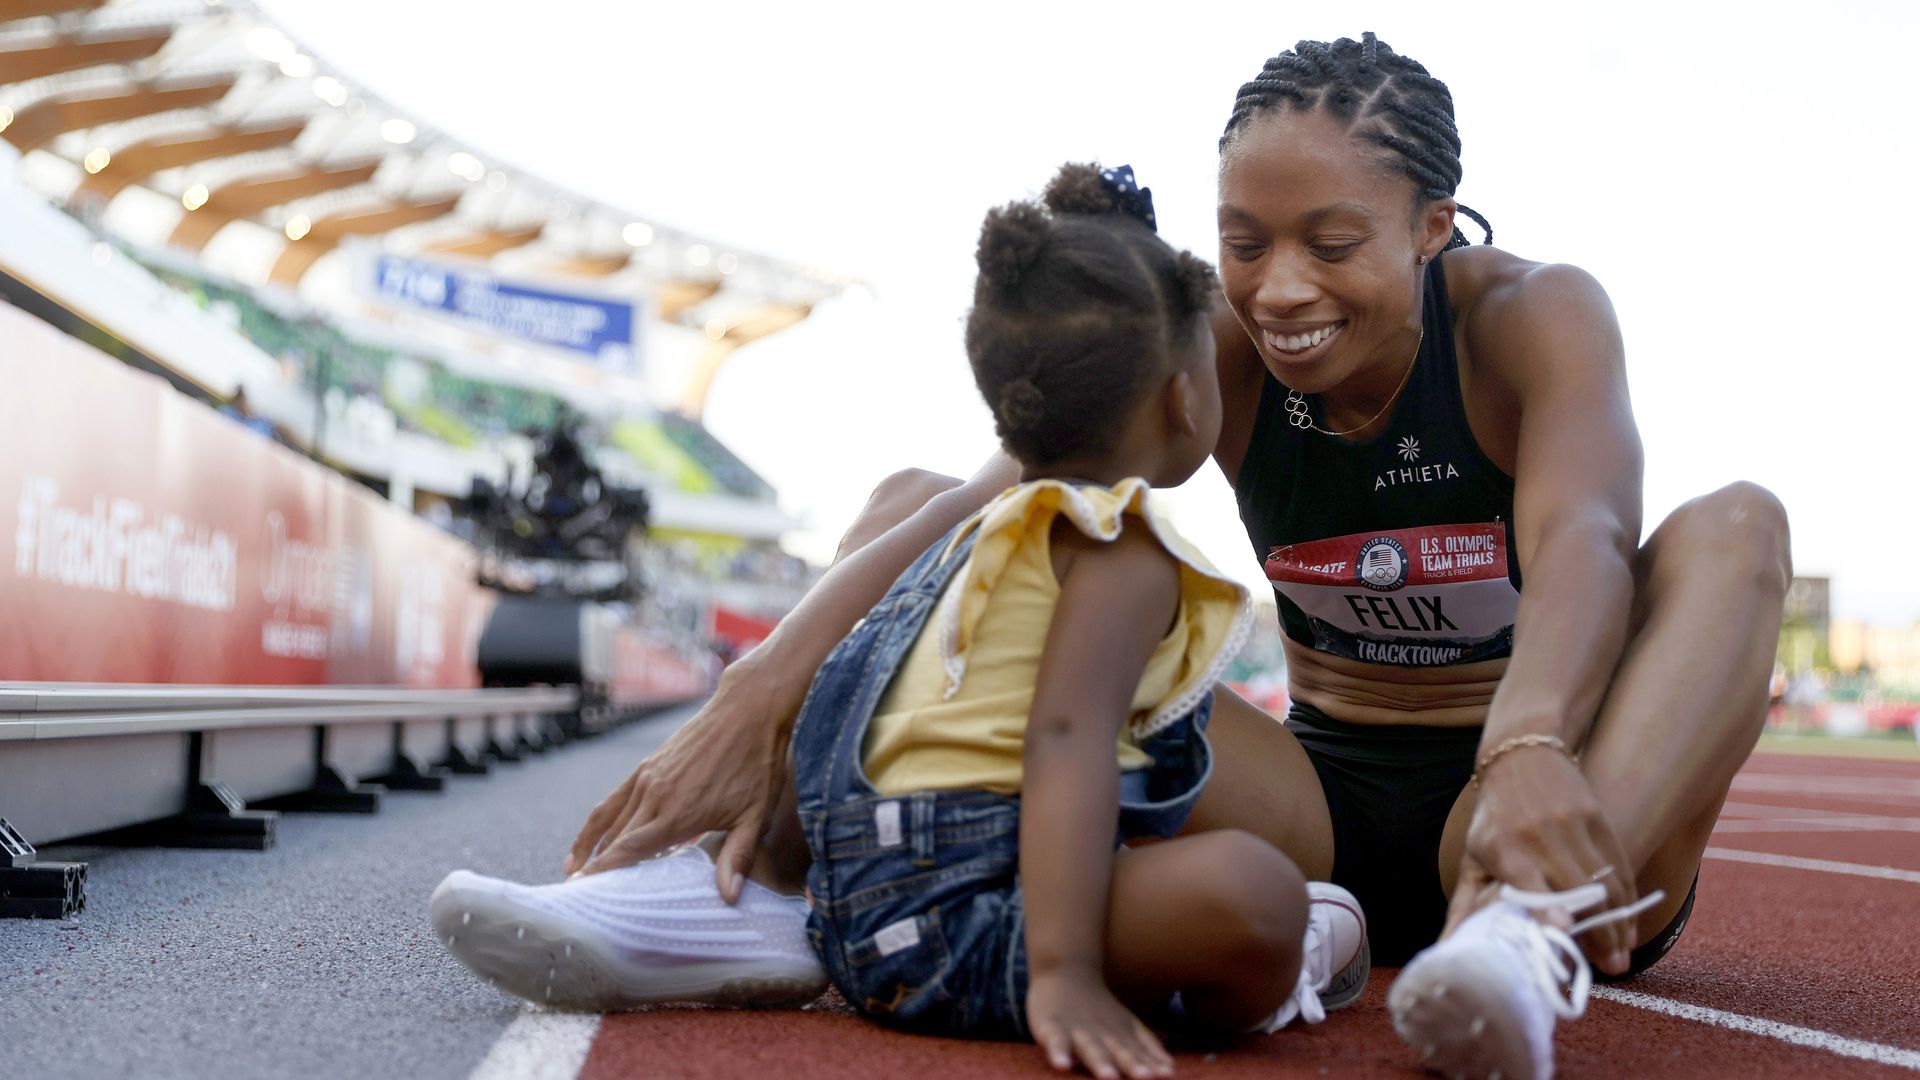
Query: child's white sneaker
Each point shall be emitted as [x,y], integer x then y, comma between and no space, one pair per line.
[1483,1002]
[1334,959]
[654,932]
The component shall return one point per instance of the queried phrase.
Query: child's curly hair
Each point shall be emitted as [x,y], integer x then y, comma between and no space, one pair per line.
[1079,309]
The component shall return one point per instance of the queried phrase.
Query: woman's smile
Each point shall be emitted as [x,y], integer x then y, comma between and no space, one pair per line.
[1297,343]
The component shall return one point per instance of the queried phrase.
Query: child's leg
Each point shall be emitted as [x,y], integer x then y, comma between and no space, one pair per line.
[1216,917]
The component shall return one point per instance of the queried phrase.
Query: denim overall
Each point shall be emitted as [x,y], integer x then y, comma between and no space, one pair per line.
[917,910]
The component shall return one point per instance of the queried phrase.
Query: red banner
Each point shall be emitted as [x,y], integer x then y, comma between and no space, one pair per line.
[647,672]
[740,630]
[146,538]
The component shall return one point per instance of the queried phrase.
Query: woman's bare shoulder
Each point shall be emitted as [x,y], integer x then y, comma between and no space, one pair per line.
[1489,285]
[1505,305]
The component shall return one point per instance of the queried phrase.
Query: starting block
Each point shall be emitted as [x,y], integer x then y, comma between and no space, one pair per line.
[37,890]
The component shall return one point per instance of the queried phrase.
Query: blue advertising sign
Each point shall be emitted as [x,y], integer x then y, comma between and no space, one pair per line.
[596,326]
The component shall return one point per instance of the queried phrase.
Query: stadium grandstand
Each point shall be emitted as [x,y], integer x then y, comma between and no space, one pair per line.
[478,382]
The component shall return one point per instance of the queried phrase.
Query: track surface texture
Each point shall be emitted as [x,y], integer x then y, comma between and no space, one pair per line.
[315,960]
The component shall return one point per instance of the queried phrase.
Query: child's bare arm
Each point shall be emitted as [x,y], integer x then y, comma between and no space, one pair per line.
[1117,600]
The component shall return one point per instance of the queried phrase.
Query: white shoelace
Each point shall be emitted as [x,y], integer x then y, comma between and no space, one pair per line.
[1316,972]
[1553,959]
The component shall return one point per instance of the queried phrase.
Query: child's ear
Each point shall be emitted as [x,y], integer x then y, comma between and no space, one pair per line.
[1179,397]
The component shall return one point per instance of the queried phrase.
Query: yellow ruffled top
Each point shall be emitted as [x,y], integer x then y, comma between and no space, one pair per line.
[955,716]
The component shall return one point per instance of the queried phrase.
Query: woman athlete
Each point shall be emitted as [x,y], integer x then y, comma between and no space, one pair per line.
[1410,437]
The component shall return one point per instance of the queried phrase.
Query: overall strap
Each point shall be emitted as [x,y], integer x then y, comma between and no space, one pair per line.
[852,681]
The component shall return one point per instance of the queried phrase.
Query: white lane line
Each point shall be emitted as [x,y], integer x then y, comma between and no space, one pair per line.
[1873,788]
[1744,811]
[1772,1029]
[1826,866]
[1838,823]
[540,1046]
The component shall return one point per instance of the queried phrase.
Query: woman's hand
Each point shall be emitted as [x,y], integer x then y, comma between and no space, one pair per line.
[1538,827]
[1073,1015]
[721,771]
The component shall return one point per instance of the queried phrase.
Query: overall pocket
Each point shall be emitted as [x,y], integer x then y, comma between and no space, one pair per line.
[899,972]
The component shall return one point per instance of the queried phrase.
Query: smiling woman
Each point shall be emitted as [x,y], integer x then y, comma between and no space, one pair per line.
[1409,437]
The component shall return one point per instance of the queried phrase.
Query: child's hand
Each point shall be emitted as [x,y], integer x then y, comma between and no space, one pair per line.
[1074,1015]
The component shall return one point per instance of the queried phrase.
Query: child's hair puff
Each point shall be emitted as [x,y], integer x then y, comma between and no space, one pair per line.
[1078,310]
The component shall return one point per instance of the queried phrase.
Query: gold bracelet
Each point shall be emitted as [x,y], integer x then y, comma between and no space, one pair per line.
[1486,759]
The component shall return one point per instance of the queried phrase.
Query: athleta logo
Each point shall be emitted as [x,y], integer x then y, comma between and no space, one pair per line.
[1410,448]
[1415,474]
[1382,565]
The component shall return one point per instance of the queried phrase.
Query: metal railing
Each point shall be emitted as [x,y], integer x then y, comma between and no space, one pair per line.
[212,766]
[33,711]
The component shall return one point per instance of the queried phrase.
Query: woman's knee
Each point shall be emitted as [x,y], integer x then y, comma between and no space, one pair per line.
[1740,530]
[911,487]
[894,500]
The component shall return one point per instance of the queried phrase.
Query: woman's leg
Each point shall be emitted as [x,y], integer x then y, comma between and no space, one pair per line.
[782,860]
[1216,918]
[1691,690]
[1263,784]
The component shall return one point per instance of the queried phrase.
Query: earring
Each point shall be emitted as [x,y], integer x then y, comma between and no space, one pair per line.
[1419,260]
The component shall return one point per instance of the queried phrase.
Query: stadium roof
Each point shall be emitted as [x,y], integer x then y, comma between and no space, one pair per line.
[177,122]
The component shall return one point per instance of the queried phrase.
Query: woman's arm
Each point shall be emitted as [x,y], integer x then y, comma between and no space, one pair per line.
[1116,602]
[1548,337]
[722,769]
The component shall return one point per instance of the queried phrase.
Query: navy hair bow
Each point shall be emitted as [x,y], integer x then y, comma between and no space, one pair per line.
[1133,200]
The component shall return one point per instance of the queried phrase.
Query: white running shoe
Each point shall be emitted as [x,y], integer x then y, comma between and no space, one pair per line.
[645,934]
[1334,959]
[1483,1002]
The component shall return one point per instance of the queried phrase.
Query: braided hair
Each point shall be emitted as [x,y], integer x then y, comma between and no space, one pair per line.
[1383,97]
[1078,312]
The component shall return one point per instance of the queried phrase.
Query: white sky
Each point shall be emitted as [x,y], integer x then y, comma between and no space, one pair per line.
[1740,177]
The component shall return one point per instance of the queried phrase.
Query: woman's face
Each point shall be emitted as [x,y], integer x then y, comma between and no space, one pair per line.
[1318,241]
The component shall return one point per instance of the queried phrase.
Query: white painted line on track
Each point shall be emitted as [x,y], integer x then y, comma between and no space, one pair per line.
[1864,788]
[1853,823]
[1744,811]
[1772,1029]
[1825,866]
[540,1045]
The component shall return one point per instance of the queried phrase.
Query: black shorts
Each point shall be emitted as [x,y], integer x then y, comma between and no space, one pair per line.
[1389,789]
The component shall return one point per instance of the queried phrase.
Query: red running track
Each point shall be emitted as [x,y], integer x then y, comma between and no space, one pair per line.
[1824,949]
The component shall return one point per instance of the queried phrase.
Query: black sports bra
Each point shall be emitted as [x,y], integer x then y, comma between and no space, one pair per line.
[1395,550]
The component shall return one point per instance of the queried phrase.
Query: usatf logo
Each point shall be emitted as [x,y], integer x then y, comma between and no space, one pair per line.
[1382,564]
[1410,448]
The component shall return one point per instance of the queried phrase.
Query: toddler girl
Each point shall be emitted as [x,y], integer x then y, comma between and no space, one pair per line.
[1035,690]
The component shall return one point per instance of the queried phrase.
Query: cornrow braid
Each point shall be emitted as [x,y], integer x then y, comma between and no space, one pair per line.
[1390,100]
